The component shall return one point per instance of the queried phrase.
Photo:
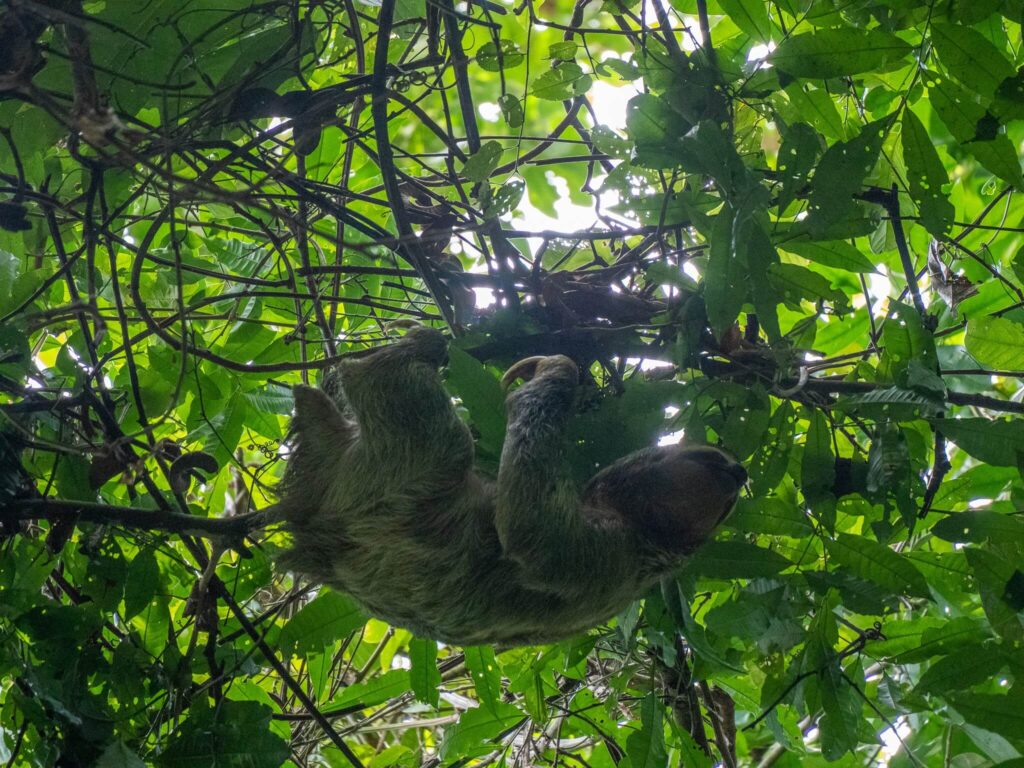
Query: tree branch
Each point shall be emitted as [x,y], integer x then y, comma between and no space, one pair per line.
[56,510]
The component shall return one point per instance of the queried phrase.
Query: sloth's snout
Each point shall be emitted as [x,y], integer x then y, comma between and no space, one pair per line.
[737,472]
[721,463]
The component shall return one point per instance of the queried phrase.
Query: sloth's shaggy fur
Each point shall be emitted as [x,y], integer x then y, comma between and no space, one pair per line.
[383,502]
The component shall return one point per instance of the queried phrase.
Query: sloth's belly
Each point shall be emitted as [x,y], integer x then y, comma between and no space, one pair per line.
[471,599]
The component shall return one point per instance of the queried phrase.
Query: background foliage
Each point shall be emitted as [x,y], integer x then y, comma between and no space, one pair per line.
[801,240]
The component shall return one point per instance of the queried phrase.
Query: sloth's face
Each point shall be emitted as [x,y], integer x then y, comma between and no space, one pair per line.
[705,483]
[673,496]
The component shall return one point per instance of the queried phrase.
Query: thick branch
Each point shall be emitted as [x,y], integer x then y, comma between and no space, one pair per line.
[131,517]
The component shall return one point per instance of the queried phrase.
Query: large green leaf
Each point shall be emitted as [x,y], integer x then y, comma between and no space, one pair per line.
[235,734]
[841,173]
[996,441]
[978,525]
[328,618]
[834,253]
[726,275]
[996,342]
[926,175]
[424,674]
[1002,714]
[836,52]
[971,58]
[877,563]
[736,560]
[749,15]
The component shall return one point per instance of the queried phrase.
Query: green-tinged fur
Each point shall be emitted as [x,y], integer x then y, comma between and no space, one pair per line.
[383,502]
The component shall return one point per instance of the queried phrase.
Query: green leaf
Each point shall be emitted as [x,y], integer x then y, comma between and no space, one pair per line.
[979,525]
[995,441]
[15,355]
[646,747]
[1002,714]
[890,402]
[496,57]
[511,109]
[815,109]
[505,199]
[907,342]
[999,156]
[996,576]
[234,734]
[841,173]
[219,429]
[117,755]
[829,53]
[655,129]
[270,399]
[877,563]
[830,253]
[152,624]
[842,712]
[889,470]
[481,394]
[800,149]
[564,81]
[1009,98]
[141,583]
[565,50]
[818,465]
[768,465]
[736,560]
[744,428]
[424,674]
[749,15]
[376,690]
[926,175]
[755,249]
[482,163]
[328,618]
[626,70]
[708,150]
[608,141]
[72,479]
[996,342]
[971,58]
[794,283]
[725,277]
[771,516]
[961,669]
[958,109]
[483,668]
[974,127]
[476,732]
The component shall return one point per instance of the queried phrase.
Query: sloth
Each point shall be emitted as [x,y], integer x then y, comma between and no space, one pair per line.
[382,501]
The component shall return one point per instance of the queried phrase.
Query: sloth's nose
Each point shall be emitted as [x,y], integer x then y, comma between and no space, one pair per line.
[715,459]
[737,472]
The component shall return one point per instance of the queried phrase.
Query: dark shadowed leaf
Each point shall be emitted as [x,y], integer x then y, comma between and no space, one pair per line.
[996,441]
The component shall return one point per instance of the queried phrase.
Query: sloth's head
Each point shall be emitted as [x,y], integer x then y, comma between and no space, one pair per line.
[674,496]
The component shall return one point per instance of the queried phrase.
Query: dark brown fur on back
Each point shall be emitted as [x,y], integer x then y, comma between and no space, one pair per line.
[383,502]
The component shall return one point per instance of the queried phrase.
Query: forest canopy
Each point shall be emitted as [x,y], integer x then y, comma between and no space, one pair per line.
[793,229]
